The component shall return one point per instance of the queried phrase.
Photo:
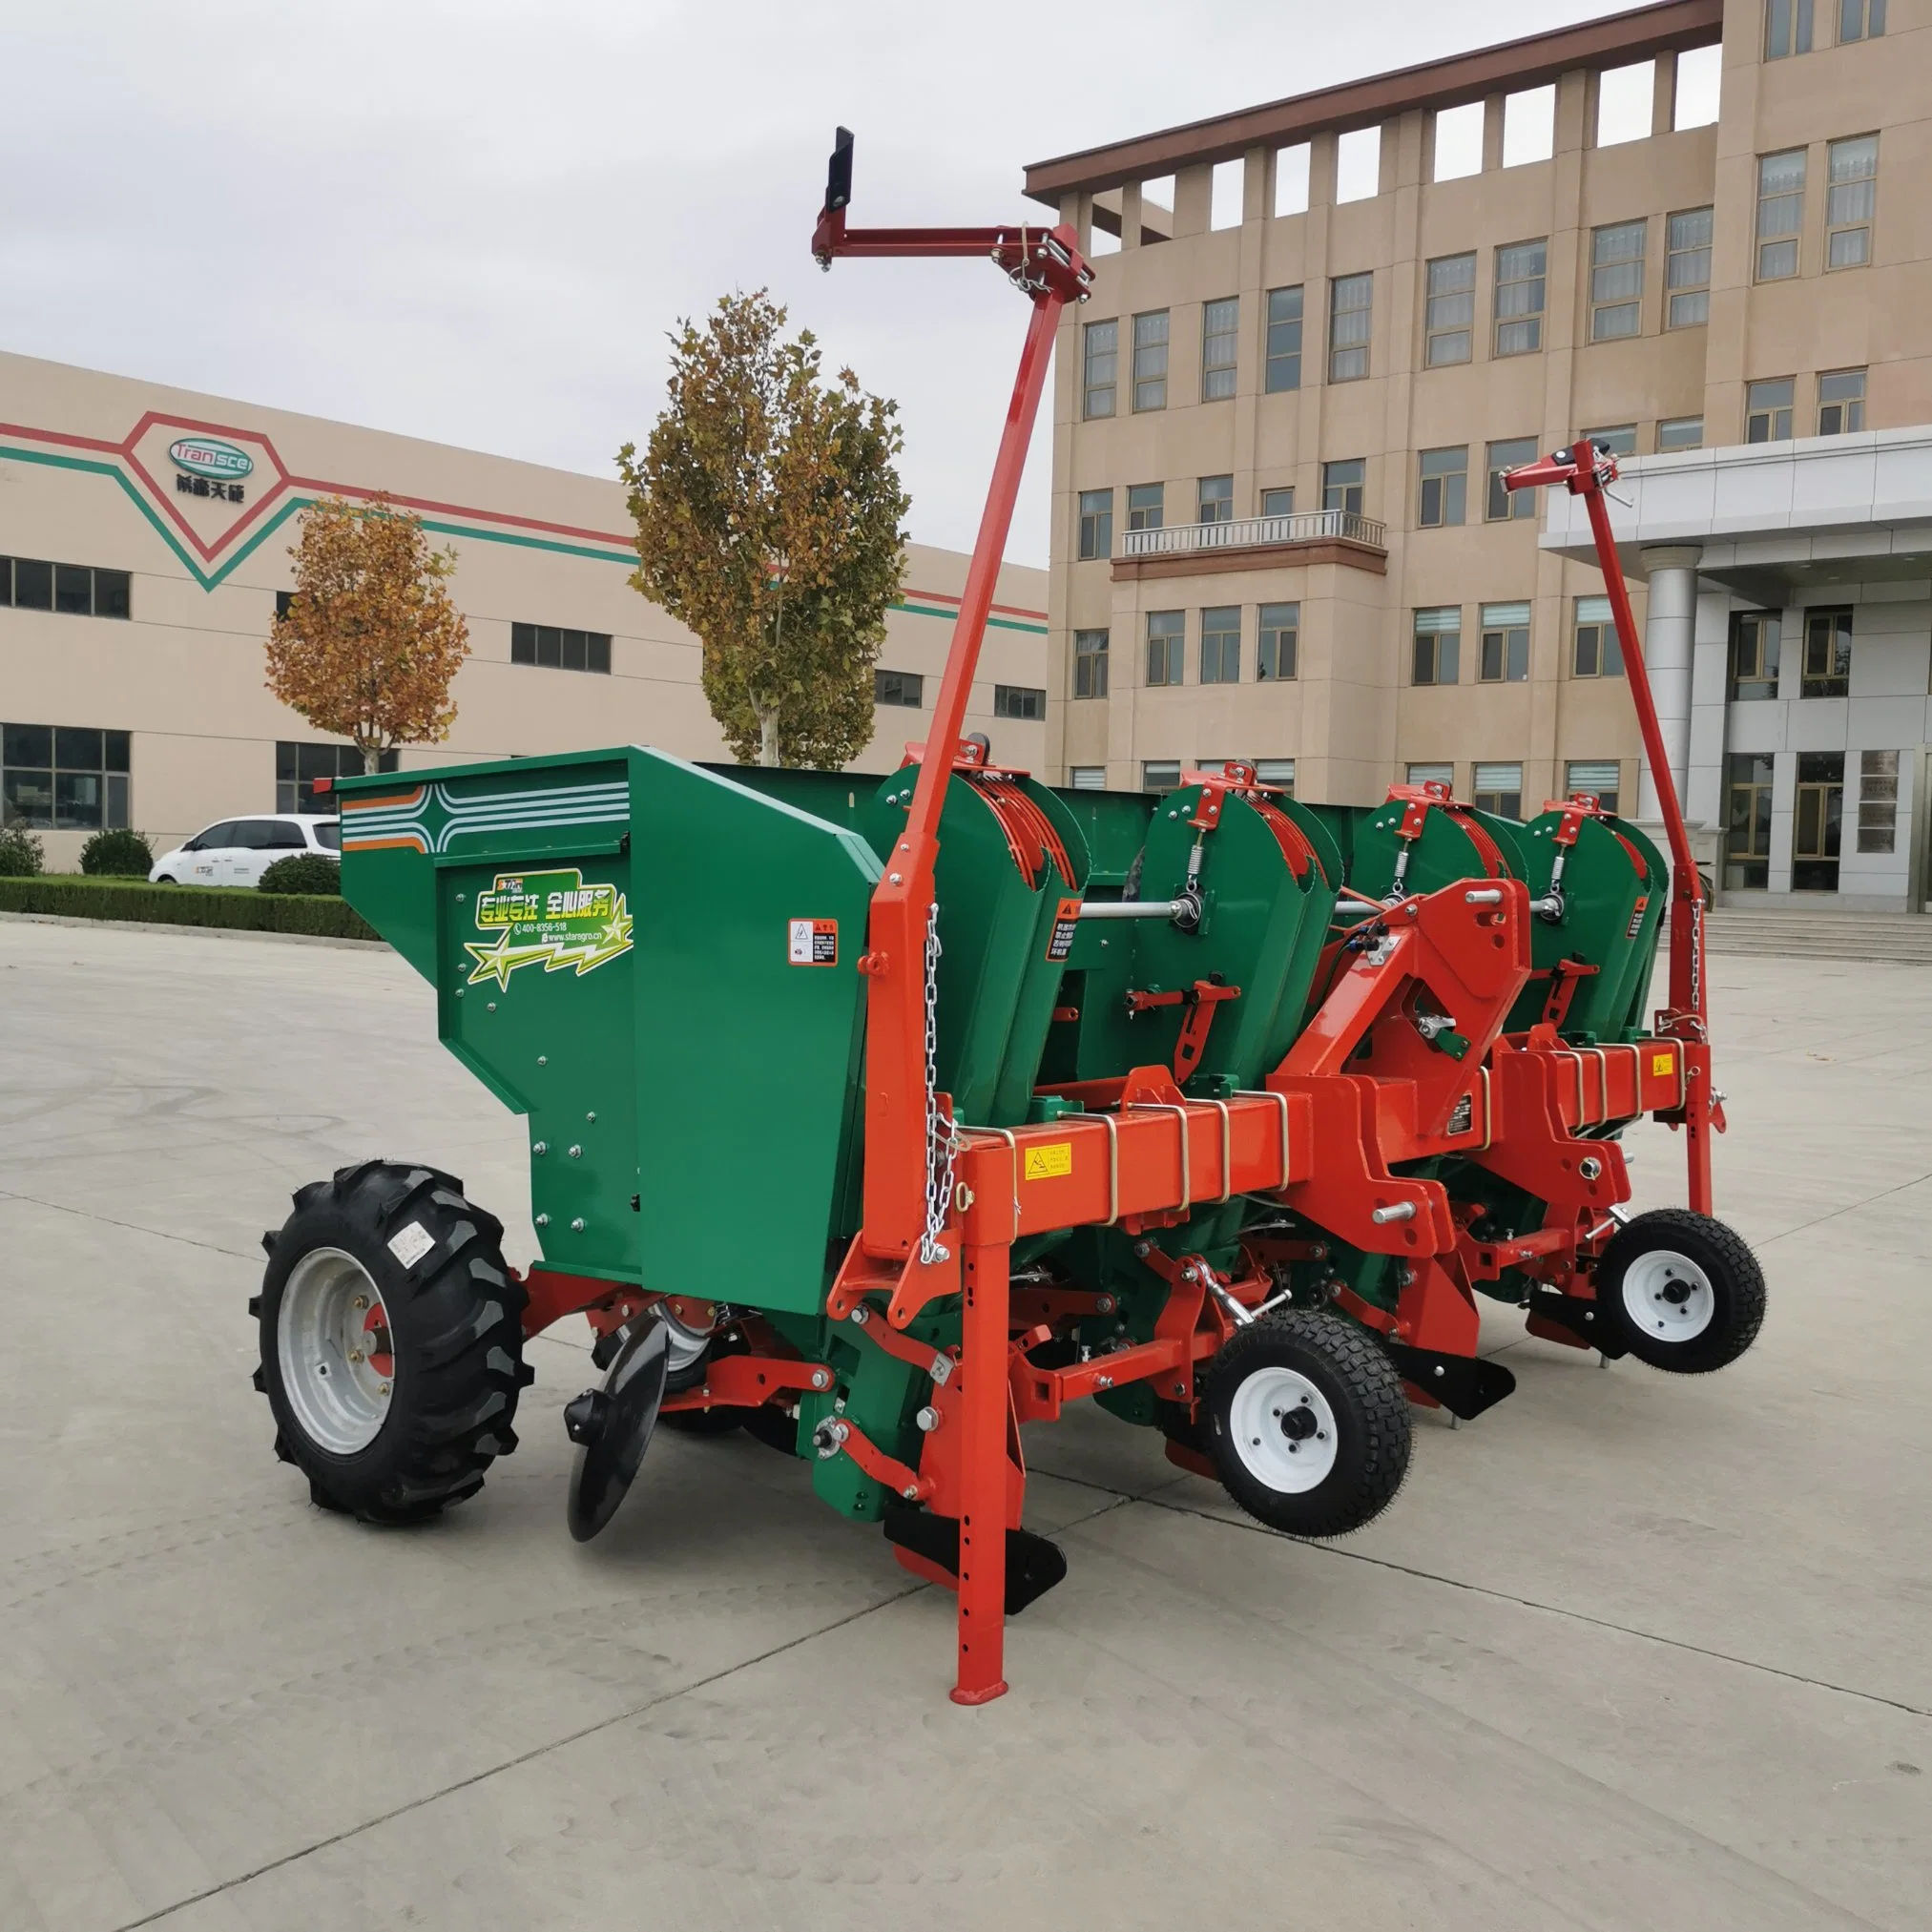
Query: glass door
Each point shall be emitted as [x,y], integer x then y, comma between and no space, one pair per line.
[1818,823]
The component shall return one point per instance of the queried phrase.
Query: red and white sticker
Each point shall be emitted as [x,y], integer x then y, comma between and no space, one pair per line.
[813,942]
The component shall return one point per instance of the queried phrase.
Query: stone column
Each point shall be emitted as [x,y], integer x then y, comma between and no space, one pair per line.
[1669,637]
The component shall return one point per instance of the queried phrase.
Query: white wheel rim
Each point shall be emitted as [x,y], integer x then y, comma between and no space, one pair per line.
[1668,1296]
[335,1348]
[1283,1430]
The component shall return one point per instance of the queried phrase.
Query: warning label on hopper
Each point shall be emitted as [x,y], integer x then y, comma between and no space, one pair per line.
[813,942]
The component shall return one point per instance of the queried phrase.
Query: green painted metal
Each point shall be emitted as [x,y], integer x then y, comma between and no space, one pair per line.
[689,1064]
[1443,854]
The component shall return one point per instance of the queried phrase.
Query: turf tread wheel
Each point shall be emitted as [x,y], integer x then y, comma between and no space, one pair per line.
[1733,1270]
[1362,1388]
[457,1337]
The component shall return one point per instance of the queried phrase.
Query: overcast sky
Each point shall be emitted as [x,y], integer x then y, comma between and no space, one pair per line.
[474,220]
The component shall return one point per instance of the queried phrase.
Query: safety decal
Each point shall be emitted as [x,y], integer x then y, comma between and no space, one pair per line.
[812,942]
[1050,1162]
[1661,1066]
[1637,915]
[1066,923]
[548,919]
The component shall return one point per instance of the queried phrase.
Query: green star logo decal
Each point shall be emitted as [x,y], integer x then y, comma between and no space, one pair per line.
[548,919]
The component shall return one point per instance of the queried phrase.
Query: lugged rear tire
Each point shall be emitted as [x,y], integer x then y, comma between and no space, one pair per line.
[1682,1290]
[1306,1422]
[390,1253]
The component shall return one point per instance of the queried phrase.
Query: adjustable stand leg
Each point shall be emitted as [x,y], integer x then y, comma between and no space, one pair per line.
[983,1404]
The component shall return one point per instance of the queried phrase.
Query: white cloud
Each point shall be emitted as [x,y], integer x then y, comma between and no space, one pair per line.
[476,221]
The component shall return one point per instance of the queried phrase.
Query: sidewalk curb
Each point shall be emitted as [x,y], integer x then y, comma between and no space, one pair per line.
[203,931]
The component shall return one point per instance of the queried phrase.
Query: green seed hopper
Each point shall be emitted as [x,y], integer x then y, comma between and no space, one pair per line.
[876,1117]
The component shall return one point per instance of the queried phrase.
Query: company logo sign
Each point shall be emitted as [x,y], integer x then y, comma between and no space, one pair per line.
[210,457]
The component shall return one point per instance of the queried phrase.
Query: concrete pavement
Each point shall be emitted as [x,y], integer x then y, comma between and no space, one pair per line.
[1628,1652]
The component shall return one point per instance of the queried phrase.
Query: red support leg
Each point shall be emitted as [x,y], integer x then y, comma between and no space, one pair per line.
[984,1405]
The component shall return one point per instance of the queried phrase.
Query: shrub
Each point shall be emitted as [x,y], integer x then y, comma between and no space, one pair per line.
[117,854]
[68,896]
[304,873]
[20,853]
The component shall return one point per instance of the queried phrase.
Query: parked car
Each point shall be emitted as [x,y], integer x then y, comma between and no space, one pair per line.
[238,851]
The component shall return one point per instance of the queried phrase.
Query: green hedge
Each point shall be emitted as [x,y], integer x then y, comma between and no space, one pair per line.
[71,896]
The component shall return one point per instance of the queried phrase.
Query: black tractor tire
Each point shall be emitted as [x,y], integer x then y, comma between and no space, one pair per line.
[402,1450]
[1682,1290]
[1305,1419]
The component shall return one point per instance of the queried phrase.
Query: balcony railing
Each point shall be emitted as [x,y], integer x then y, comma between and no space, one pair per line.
[1249,532]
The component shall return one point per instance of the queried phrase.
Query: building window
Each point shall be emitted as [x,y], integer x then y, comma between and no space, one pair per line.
[1432,775]
[1341,485]
[1222,645]
[1780,213]
[299,766]
[1520,270]
[1687,269]
[1787,27]
[1278,642]
[74,590]
[1166,633]
[1767,410]
[1019,701]
[1877,800]
[1597,777]
[1437,646]
[1088,778]
[1755,644]
[1278,503]
[1747,821]
[1851,197]
[559,649]
[1620,440]
[1349,317]
[1451,314]
[1596,652]
[1443,487]
[1089,664]
[1504,503]
[1506,645]
[1160,775]
[1498,789]
[1144,510]
[1840,402]
[1102,345]
[1215,499]
[1096,522]
[1827,668]
[1616,280]
[1681,432]
[63,778]
[1221,324]
[899,686]
[1284,340]
[1860,20]
[1149,361]
[1818,822]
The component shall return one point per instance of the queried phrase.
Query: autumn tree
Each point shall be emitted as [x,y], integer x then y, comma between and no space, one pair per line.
[371,642]
[768,512]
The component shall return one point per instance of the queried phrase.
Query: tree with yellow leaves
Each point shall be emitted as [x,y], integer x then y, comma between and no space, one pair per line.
[371,642]
[768,512]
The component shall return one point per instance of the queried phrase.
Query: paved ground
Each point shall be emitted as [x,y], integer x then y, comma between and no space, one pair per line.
[1631,1652]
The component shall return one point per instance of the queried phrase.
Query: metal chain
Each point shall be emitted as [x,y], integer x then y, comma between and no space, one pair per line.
[942,1136]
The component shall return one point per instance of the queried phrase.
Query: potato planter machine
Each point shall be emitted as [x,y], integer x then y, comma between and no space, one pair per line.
[879,1118]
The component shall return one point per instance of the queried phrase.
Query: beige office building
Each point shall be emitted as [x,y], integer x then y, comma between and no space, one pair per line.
[145,532]
[1321,329]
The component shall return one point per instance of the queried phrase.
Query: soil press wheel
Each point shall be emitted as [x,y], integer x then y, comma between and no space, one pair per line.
[1306,1422]
[391,1348]
[1679,1290]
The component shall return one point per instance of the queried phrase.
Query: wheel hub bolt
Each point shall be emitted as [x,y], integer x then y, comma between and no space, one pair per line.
[1298,1425]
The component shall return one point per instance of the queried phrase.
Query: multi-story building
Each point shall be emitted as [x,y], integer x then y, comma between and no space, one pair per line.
[145,538]
[1320,331]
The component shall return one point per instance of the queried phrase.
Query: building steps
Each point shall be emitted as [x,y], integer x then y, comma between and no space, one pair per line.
[1893,936]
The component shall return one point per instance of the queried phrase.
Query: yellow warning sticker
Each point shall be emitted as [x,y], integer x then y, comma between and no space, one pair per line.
[1661,1064]
[1048,1163]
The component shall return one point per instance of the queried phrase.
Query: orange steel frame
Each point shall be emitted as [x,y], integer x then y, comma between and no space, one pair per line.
[1359,1093]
